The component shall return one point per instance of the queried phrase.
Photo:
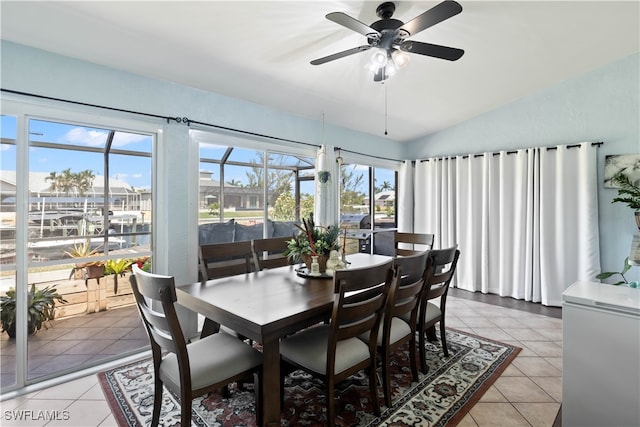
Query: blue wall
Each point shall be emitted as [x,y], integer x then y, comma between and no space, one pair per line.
[600,105]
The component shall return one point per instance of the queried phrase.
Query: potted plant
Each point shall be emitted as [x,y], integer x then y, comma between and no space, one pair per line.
[85,270]
[313,241]
[117,268]
[628,193]
[41,305]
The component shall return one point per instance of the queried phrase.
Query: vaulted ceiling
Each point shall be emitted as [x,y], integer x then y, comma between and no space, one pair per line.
[260,51]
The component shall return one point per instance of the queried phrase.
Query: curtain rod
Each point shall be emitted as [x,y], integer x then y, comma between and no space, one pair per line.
[594,144]
[177,119]
[366,155]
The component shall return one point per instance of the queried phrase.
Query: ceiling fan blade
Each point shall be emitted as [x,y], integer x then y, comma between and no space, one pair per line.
[435,50]
[340,55]
[352,24]
[436,14]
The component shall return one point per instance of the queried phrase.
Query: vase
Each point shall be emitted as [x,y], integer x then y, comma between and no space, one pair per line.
[315,267]
[322,262]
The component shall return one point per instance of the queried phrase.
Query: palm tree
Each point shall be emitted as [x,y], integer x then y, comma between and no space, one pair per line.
[84,181]
[386,185]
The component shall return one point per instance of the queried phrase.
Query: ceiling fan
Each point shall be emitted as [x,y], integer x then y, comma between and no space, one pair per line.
[388,37]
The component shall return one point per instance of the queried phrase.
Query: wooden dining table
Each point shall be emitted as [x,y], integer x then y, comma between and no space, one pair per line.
[266,306]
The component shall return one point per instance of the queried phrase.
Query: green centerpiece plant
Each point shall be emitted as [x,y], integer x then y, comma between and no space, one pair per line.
[313,241]
[628,193]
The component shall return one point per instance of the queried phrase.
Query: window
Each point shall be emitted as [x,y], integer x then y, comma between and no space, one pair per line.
[368,202]
[87,197]
[249,191]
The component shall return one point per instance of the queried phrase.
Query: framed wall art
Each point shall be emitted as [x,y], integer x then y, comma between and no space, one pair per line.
[627,164]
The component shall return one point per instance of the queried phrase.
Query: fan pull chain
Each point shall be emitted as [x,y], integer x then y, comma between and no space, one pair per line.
[385,108]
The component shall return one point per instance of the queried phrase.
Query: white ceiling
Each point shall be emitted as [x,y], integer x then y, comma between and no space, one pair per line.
[260,51]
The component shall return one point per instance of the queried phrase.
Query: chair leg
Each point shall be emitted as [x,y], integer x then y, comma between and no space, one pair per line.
[373,388]
[331,404]
[431,333]
[423,350]
[257,389]
[386,377]
[412,358]
[185,408]
[157,403]
[443,338]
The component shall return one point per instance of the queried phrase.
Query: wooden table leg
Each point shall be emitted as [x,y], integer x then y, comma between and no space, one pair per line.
[271,382]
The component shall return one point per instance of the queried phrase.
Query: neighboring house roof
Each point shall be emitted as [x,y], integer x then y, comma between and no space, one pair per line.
[39,185]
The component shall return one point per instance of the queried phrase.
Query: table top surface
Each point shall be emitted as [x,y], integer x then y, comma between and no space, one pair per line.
[262,299]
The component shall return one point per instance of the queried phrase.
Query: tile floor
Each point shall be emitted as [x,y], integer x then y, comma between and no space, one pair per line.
[528,393]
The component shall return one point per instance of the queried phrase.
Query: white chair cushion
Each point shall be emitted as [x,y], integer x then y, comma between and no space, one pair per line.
[212,359]
[309,349]
[433,312]
[399,329]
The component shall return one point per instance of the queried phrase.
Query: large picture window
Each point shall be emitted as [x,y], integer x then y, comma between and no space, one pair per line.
[76,200]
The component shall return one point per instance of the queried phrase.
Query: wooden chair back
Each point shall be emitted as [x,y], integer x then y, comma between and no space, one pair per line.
[444,262]
[269,253]
[361,295]
[403,239]
[405,298]
[225,259]
[155,296]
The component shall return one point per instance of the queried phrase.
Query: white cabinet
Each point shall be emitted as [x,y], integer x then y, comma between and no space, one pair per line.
[601,356]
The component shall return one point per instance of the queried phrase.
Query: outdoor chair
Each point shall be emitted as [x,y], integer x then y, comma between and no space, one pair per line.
[188,369]
[333,352]
[402,240]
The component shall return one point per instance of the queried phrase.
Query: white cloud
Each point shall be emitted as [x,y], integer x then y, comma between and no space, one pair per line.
[92,138]
[136,175]
[122,139]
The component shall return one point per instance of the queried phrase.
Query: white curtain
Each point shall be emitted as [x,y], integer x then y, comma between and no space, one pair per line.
[404,209]
[526,222]
[326,204]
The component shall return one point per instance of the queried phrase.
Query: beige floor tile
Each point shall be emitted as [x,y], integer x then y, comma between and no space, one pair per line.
[84,413]
[539,414]
[94,393]
[508,322]
[477,322]
[554,334]
[497,415]
[492,333]
[521,389]
[556,362]
[551,385]
[544,348]
[512,371]
[493,395]
[524,334]
[69,390]
[110,421]
[536,367]
[467,421]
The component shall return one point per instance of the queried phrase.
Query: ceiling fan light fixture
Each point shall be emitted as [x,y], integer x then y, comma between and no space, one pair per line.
[400,59]
[379,59]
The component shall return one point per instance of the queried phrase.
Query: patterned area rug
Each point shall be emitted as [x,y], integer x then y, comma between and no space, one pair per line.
[440,398]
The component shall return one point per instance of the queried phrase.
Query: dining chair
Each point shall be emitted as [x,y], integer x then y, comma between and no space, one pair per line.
[218,260]
[225,259]
[403,300]
[334,351]
[191,369]
[269,253]
[443,267]
[402,240]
